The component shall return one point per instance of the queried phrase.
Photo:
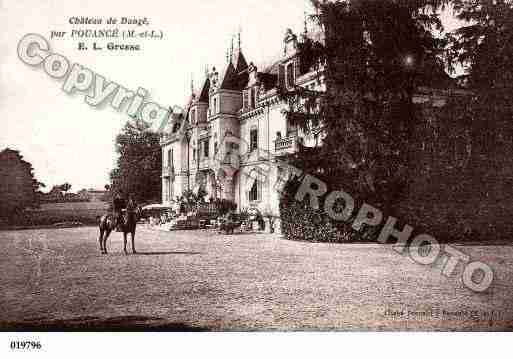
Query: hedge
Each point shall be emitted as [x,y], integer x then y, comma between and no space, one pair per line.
[301,222]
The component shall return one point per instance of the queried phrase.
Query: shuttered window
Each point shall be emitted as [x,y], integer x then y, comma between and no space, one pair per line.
[281,75]
[252,95]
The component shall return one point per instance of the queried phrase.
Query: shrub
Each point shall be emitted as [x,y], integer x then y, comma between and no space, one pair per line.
[224,206]
[300,222]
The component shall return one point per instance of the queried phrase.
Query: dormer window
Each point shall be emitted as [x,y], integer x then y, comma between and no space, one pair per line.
[193,116]
[214,106]
[250,98]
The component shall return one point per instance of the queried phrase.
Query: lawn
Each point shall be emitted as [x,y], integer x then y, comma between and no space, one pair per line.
[74,206]
[197,280]
[52,213]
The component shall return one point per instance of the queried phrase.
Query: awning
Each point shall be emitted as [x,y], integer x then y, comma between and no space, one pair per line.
[155,206]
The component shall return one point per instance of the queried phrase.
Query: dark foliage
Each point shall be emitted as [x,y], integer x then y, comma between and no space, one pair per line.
[224,206]
[18,186]
[301,222]
[374,56]
[139,165]
[484,47]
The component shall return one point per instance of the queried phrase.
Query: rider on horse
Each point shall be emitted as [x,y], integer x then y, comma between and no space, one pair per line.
[131,205]
[121,223]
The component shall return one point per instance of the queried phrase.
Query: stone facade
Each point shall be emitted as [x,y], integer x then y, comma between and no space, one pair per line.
[232,130]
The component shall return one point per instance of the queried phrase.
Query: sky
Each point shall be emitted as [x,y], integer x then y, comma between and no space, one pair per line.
[67,140]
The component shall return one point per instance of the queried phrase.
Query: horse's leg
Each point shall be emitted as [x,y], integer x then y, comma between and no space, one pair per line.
[101,240]
[133,241]
[107,234]
[124,242]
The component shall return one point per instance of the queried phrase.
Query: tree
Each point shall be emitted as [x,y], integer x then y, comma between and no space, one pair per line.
[484,47]
[139,164]
[373,58]
[18,186]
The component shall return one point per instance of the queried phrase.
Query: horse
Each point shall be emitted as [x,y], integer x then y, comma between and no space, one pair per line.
[128,225]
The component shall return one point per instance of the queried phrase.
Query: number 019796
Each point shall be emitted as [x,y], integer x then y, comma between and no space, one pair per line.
[25,345]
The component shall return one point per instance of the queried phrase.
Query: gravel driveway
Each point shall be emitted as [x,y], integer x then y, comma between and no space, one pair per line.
[198,280]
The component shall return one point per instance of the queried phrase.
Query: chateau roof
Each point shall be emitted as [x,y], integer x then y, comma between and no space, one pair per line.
[233,79]
[235,74]
[203,95]
[238,61]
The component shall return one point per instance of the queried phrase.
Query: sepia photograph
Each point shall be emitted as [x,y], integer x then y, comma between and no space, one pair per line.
[278,167]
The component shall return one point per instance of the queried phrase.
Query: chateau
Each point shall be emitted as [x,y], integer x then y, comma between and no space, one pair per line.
[233,129]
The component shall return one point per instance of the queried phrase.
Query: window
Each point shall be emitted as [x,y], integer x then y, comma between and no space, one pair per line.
[215,148]
[253,139]
[170,158]
[253,193]
[170,189]
[214,105]
[194,154]
[205,148]
[278,135]
[290,75]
